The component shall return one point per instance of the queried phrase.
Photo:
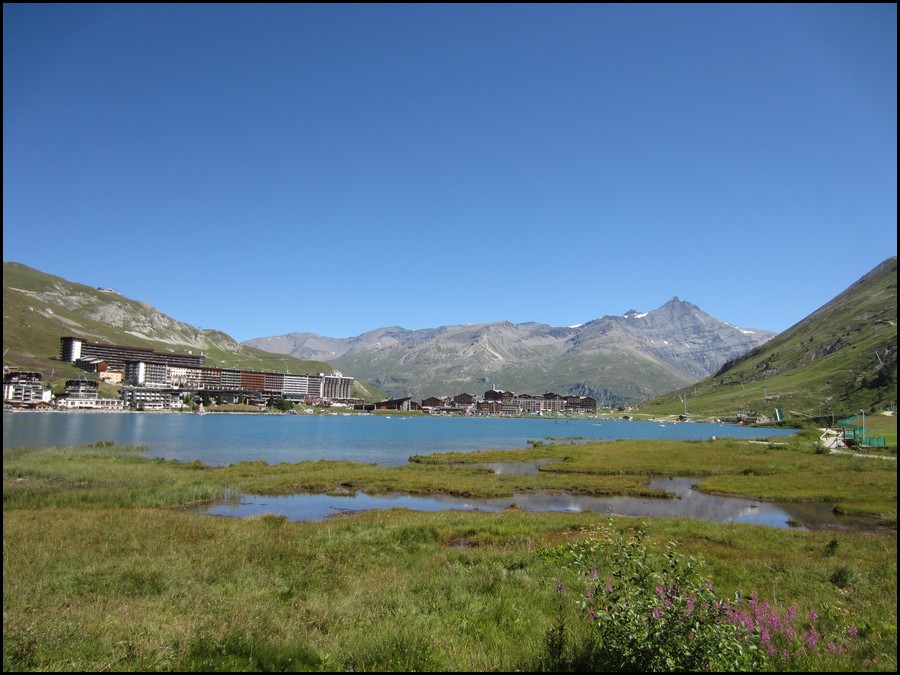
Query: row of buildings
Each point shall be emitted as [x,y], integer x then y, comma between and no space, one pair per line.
[151,380]
[496,402]
[139,367]
[25,389]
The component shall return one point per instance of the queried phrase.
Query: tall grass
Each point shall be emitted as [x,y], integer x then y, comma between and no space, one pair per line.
[102,570]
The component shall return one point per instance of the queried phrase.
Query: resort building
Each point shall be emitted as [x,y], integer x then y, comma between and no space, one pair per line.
[24,389]
[81,394]
[74,348]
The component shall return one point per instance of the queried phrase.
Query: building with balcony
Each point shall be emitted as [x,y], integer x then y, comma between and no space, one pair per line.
[74,348]
[24,389]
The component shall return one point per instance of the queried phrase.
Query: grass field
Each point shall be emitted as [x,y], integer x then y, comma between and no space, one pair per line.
[105,569]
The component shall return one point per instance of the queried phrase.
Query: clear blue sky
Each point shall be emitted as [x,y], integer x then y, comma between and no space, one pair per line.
[263,169]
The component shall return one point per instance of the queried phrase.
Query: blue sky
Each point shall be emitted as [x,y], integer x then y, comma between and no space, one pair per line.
[263,169]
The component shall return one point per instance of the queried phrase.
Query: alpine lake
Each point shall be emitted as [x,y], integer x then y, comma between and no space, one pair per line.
[390,440]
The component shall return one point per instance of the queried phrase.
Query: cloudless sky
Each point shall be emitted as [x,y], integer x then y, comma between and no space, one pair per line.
[263,169]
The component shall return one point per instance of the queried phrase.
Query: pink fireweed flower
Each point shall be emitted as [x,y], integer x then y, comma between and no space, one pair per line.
[813,615]
[812,638]
[765,638]
[657,613]
[608,587]
[594,575]
[560,587]
[754,599]
[853,630]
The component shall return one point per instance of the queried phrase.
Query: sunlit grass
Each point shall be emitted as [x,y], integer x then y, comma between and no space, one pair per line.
[150,589]
[104,571]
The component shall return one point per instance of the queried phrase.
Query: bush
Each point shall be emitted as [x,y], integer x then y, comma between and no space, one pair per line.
[843,577]
[653,612]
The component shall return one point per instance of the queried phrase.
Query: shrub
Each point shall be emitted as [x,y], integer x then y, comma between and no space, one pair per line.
[843,577]
[655,612]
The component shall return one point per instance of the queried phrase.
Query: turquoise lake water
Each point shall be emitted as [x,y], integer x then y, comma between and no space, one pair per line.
[222,439]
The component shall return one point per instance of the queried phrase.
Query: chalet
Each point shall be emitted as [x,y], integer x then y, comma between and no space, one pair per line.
[398,404]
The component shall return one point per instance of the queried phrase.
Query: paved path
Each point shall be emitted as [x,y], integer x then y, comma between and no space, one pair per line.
[835,451]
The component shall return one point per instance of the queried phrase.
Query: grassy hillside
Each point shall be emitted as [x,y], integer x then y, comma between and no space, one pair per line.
[839,360]
[40,308]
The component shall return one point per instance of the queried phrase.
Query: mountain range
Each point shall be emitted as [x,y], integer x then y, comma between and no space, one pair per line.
[616,359]
[837,361]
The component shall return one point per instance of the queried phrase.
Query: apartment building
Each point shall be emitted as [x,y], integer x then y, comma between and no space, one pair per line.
[81,394]
[74,348]
[24,389]
[145,369]
[146,398]
[147,374]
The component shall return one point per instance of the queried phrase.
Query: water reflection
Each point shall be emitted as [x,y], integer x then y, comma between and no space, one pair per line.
[686,503]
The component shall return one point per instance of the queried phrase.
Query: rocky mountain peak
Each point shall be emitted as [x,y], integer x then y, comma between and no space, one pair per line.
[618,359]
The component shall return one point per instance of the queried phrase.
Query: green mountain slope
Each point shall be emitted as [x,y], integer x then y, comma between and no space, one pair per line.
[839,360]
[39,308]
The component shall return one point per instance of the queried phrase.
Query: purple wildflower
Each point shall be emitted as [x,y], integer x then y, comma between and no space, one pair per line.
[853,630]
[812,638]
[560,587]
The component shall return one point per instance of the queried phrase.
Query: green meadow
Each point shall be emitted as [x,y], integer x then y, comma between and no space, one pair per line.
[106,566]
